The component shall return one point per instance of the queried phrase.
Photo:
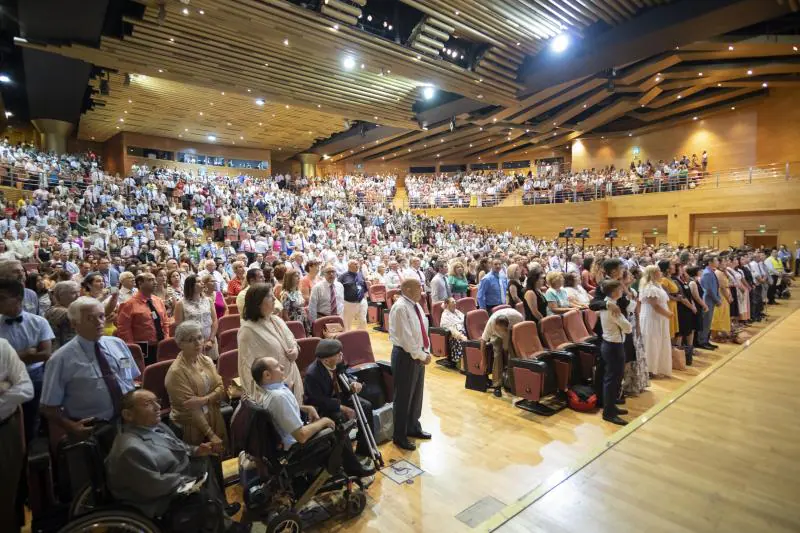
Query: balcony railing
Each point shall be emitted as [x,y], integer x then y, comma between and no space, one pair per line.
[587,191]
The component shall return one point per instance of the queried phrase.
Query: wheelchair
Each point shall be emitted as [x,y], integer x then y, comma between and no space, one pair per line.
[94,509]
[284,482]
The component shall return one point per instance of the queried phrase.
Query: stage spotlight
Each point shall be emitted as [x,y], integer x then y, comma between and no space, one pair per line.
[428,93]
[348,63]
[560,43]
[4,78]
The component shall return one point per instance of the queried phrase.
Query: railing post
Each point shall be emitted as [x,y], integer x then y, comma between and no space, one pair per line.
[787,171]
[717,180]
[750,177]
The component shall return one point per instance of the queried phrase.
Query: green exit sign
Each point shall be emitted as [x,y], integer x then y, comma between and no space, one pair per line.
[714,230]
[762,228]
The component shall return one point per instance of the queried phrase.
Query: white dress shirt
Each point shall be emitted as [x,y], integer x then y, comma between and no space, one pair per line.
[439,288]
[615,326]
[319,303]
[14,381]
[404,328]
[391,279]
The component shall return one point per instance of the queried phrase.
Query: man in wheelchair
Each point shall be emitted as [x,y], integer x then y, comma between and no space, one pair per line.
[152,470]
[285,412]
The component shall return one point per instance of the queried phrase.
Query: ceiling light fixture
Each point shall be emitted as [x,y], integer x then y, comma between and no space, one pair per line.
[764,84]
[286,42]
[559,44]
[749,72]
[694,118]
[348,63]
[699,73]
[201,12]
[212,138]
[730,47]
[185,11]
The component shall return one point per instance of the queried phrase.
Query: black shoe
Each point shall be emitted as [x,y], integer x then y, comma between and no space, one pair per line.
[621,411]
[404,444]
[498,392]
[424,435]
[232,508]
[620,401]
[709,347]
[616,420]
[238,527]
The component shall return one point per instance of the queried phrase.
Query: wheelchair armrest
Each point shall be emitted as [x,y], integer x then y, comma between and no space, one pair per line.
[386,366]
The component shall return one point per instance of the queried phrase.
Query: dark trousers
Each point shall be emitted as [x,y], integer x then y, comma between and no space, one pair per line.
[409,378]
[30,409]
[11,473]
[363,447]
[613,354]
[773,287]
[797,266]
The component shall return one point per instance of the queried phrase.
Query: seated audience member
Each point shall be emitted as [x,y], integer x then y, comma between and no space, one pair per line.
[195,390]
[453,321]
[285,411]
[323,390]
[85,379]
[148,463]
[498,333]
[492,288]
[143,318]
[17,390]
[262,332]
[254,276]
[63,294]
[30,335]
[556,296]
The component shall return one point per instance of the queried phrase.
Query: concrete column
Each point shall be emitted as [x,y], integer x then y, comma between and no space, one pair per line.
[308,164]
[53,134]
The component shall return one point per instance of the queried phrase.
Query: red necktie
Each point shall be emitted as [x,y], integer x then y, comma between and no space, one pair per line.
[426,343]
[333,299]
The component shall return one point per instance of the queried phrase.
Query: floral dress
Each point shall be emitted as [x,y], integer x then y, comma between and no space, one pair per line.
[636,378]
[294,305]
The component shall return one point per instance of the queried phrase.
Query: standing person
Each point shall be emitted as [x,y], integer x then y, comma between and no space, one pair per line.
[492,288]
[497,332]
[655,318]
[354,287]
[440,289]
[13,269]
[411,352]
[293,302]
[514,285]
[533,301]
[721,321]
[457,281]
[612,350]
[712,298]
[199,310]
[327,297]
[636,378]
[143,318]
[30,335]
[17,390]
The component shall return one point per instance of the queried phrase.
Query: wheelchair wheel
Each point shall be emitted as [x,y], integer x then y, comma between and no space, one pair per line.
[83,502]
[285,522]
[111,521]
[356,502]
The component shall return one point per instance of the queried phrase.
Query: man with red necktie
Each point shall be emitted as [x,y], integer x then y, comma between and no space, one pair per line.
[411,352]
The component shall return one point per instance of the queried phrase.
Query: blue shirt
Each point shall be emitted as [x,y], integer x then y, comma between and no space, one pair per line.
[30,302]
[492,290]
[72,377]
[560,297]
[282,405]
[29,333]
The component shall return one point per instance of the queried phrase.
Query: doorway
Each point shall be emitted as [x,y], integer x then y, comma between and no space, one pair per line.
[649,240]
[761,240]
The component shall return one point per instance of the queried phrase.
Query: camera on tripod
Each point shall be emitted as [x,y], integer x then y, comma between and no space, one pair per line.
[582,234]
[566,234]
[611,234]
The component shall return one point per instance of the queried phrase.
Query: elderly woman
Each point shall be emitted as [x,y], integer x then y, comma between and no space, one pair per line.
[196,308]
[195,390]
[453,321]
[262,333]
[457,280]
[63,294]
[238,281]
[556,296]
[578,297]
[209,286]
[126,286]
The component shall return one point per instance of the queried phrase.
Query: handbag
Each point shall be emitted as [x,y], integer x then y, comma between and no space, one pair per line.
[332,330]
[678,359]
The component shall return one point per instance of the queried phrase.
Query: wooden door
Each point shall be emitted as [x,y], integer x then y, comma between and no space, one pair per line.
[761,240]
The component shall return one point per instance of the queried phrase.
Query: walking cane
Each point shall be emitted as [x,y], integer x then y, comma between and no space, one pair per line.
[361,418]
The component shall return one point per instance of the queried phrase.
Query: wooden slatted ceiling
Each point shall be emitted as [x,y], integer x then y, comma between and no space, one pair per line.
[166,108]
[654,90]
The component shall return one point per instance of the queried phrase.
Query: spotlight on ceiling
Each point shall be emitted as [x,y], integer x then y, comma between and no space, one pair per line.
[212,138]
[348,63]
[4,78]
[560,43]
[428,93]
[259,101]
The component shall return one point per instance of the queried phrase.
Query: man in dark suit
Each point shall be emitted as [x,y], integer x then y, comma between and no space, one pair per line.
[148,465]
[712,297]
[323,390]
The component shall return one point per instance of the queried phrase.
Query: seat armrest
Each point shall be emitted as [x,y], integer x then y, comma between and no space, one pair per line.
[439,331]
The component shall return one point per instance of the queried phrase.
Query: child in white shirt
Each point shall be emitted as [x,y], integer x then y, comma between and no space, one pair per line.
[612,350]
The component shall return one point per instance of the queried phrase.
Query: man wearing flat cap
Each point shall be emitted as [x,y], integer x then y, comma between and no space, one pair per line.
[323,390]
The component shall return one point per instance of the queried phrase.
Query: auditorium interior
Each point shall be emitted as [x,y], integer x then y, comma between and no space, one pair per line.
[530,134]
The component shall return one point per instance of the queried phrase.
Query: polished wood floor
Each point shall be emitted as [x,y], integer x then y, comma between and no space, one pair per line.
[724,456]
[483,446]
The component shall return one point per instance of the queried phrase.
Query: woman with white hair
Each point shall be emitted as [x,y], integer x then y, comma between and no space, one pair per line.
[195,390]
[655,316]
[62,295]
[126,287]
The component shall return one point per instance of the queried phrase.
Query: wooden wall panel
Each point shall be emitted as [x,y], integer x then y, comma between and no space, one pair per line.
[541,221]
[114,149]
[632,230]
[179,145]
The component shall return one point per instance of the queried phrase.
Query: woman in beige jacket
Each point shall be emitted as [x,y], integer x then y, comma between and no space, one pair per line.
[195,391]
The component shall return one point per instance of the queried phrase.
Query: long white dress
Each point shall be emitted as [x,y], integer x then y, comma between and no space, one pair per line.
[655,331]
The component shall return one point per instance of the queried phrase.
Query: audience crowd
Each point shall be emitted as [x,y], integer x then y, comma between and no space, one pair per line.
[94,268]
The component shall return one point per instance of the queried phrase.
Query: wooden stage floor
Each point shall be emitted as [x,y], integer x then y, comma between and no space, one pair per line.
[489,457]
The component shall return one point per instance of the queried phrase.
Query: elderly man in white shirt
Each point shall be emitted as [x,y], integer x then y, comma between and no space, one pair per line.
[392,277]
[219,279]
[498,333]
[327,297]
[16,388]
[411,351]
